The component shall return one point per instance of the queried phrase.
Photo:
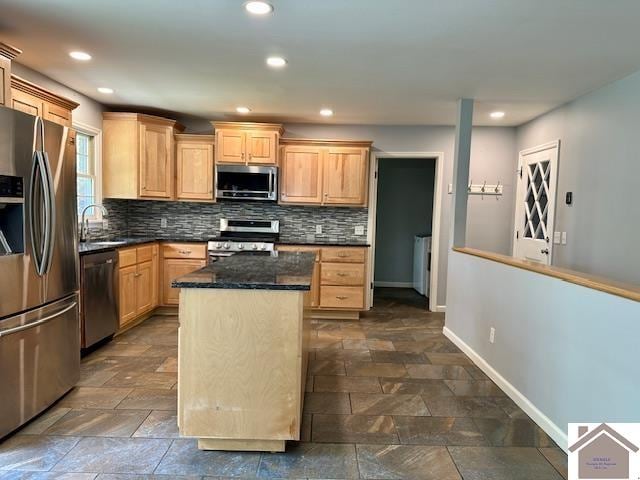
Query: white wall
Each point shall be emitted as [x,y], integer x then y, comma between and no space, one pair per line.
[599,163]
[569,350]
[492,155]
[88,112]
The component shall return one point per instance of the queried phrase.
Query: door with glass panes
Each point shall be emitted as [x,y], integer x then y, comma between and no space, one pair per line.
[536,201]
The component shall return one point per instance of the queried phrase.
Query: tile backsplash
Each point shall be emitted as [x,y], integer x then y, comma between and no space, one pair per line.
[202,220]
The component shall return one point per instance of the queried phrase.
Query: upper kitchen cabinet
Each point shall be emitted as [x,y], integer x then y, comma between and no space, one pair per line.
[247,143]
[7,54]
[138,156]
[194,167]
[30,98]
[324,172]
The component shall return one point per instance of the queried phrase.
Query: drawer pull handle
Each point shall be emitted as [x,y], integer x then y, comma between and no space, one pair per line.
[343,255]
[137,275]
[184,252]
[341,274]
[341,297]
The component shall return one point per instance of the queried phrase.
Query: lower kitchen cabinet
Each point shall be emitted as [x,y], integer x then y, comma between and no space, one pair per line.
[178,259]
[137,282]
[339,278]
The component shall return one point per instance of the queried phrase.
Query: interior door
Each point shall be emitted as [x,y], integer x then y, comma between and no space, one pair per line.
[536,201]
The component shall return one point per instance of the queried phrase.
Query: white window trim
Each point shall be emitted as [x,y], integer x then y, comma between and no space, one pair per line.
[96,133]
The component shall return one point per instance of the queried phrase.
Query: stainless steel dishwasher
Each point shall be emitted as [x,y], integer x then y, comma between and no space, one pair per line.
[99,305]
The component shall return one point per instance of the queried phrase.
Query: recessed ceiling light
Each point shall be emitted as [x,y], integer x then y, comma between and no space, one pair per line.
[243,109]
[258,7]
[326,112]
[105,90]
[83,56]
[496,115]
[276,62]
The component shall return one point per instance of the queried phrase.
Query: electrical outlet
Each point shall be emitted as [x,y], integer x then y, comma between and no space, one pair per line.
[163,223]
[359,230]
[492,335]
[319,229]
[564,238]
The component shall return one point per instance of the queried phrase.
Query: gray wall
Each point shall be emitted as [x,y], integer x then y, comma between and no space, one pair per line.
[599,163]
[88,112]
[405,209]
[492,154]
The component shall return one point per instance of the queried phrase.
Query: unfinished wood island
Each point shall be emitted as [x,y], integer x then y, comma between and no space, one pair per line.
[243,350]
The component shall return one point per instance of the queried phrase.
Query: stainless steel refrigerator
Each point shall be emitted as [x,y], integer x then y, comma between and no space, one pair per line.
[39,327]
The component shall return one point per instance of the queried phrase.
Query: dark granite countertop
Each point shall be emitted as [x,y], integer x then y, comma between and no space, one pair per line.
[277,271]
[85,248]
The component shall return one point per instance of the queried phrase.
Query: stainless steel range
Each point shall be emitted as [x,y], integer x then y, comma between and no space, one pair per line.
[258,236]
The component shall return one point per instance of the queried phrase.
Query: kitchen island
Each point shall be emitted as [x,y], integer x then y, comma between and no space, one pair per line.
[243,350]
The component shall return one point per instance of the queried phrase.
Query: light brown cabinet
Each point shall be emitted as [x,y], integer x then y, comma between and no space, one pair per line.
[194,167]
[316,172]
[137,281]
[179,259]
[247,143]
[339,277]
[138,156]
[30,98]
[7,54]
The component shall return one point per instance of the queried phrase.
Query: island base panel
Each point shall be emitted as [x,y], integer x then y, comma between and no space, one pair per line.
[241,445]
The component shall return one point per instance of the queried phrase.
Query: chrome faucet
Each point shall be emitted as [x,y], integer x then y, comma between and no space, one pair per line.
[84,224]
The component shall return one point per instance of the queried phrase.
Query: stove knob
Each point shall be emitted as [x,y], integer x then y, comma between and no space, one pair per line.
[226,246]
[241,246]
[254,246]
[218,245]
[263,247]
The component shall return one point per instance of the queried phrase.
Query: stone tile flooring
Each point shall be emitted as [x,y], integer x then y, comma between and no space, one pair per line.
[388,397]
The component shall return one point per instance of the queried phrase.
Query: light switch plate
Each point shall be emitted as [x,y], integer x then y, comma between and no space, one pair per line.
[359,230]
[318,229]
[564,238]
[163,223]
[557,237]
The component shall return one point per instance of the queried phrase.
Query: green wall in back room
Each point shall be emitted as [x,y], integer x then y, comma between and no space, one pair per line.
[405,209]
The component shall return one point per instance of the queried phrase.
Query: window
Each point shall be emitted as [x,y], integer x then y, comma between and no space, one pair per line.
[88,171]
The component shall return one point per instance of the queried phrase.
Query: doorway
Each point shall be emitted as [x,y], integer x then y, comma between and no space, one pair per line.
[536,203]
[405,202]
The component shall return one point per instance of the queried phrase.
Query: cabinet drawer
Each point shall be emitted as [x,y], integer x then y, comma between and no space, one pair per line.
[342,297]
[127,257]
[184,250]
[343,255]
[342,274]
[144,253]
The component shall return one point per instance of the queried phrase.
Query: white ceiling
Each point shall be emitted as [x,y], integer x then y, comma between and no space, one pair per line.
[375,62]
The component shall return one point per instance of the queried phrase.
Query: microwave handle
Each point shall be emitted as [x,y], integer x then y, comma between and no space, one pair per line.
[272,187]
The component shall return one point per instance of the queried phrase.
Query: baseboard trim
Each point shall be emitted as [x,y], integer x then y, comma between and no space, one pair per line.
[441,308]
[555,432]
[393,284]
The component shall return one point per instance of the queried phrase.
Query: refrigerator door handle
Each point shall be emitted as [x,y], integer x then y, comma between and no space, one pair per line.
[46,319]
[39,213]
[50,204]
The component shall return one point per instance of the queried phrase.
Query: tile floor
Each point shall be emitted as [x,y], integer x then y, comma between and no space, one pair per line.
[388,397]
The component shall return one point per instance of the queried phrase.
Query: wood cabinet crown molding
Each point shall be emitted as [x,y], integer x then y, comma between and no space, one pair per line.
[195,137]
[273,127]
[22,85]
[143,117]
[9,51]
[326,142]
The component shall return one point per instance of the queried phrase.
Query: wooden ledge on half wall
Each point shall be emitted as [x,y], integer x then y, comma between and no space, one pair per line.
[631,292]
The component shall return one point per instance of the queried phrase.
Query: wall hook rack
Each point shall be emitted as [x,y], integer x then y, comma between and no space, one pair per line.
[483,188]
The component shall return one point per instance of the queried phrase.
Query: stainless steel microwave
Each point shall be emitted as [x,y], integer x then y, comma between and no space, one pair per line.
[246,182]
